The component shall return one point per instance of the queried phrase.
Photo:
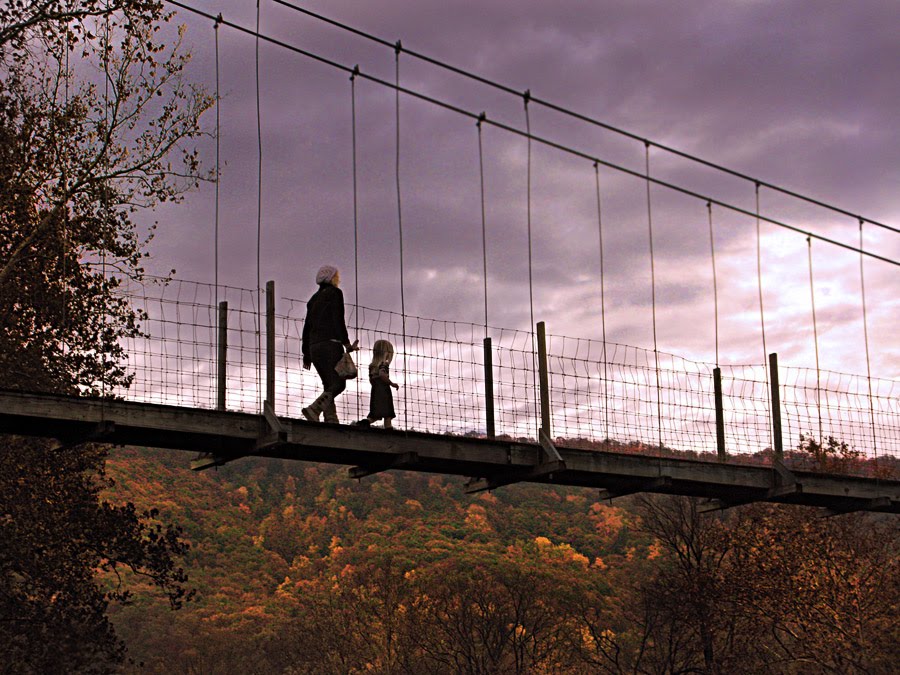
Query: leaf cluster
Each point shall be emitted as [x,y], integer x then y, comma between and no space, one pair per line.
[85,144]
[26,22]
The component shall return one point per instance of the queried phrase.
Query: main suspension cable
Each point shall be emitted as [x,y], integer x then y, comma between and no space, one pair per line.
[575,115]
[544,141]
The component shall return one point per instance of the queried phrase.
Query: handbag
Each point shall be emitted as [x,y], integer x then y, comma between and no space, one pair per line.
[345,367]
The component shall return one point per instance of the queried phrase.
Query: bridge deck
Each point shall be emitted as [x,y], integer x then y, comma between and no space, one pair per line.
[229,435]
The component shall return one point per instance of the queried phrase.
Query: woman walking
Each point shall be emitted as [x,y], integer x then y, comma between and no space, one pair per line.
[324,341]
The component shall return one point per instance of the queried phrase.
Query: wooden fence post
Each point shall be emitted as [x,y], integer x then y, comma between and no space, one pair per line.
[544,378]
[720,414]
[270,343]
[776,407]
[222,355]
[489,387]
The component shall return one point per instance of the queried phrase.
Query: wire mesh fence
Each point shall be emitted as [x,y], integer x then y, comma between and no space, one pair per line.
[602,395]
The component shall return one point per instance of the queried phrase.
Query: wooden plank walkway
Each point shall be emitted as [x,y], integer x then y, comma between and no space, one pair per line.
[490,463]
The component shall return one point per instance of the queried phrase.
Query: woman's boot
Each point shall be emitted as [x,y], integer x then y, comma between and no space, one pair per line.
[316,407]
[330,411]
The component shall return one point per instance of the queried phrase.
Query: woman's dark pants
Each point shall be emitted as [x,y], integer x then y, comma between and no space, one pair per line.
[325,356]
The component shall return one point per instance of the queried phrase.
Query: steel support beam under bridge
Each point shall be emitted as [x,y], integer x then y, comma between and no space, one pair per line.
[226,436]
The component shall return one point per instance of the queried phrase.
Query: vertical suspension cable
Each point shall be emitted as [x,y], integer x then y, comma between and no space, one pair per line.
[65,220]
[602,304]
[355,220]
[398,47]
[527,97]
[490,421]
[717,373]
[712,249]
[483,222]
[215,308]
[259,303]
[106,50]
[653,293]
[862,284]
[762,323]
[812,297]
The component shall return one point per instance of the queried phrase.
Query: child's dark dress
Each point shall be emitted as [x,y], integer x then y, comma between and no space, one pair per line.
[381,405]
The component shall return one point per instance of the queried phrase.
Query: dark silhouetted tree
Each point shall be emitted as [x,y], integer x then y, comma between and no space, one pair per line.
[96,122]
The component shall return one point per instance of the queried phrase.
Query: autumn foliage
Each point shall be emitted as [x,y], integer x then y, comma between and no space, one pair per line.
[301,570]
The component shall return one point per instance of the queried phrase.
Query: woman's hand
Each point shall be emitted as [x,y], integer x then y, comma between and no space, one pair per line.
[354,347]
[306,363]
[395,385]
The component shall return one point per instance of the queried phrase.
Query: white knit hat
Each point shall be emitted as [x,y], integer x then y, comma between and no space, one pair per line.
[325,274]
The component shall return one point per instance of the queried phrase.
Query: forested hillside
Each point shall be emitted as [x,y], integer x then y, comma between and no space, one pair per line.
[299,569]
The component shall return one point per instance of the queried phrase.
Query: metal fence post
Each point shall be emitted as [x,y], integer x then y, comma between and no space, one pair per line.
[270,343]
[489,387]
[544,378]
[720,414]
[776,407]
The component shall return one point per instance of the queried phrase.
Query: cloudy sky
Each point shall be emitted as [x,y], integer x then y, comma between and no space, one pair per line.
[799,94]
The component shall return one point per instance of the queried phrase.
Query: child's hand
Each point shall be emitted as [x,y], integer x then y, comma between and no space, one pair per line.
[354,347]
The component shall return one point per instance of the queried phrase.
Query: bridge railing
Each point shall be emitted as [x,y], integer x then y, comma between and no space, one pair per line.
[601,395]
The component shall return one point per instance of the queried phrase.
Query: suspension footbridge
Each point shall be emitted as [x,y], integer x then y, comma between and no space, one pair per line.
[216,369]
[473,407]
[222,436]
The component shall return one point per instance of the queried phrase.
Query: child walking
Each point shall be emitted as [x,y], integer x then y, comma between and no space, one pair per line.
[381,403]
